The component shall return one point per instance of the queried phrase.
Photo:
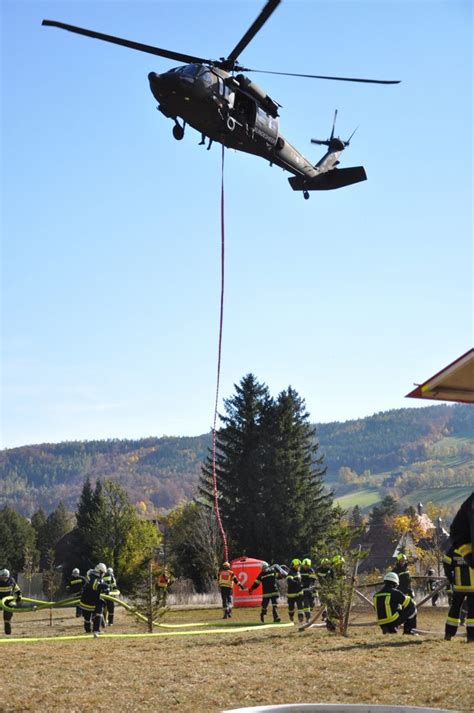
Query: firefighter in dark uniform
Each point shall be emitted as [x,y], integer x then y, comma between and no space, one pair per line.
[91,603]
[226,581]
[460,574]
[309,582]
[326,576]
[111,582]
[295,591]
[401,570]
[8,588]
[394,608]
[268,577]
[74,586]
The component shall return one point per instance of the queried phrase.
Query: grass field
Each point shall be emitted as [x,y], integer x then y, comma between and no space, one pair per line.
[213,672]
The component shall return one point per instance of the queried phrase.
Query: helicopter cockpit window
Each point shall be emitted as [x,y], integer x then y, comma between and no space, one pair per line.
[206,77]
[190,70]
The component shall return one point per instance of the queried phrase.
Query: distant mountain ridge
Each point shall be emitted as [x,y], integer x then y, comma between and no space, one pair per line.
[161,472]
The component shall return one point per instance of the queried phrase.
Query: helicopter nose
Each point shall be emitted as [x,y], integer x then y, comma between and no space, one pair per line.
[155,84]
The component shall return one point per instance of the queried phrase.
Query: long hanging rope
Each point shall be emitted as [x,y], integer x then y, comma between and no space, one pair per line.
[219,353]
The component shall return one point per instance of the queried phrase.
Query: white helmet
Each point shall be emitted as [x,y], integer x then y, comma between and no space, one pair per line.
[110,570]
[392,577]
[101,568]
[4,573]
[75,572]
[264,565]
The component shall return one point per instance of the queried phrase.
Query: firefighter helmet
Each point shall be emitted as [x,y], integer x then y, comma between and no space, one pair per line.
[401,557]
[431,571]
[110,570]
[264,565]
[226,565]
[296,562]
[75,572]
[101,568]
[392,577]
[4,573]
[306,562]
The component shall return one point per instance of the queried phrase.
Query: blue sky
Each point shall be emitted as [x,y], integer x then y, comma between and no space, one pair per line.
[111,228]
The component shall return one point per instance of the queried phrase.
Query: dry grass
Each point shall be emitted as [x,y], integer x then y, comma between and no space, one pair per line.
[210,673]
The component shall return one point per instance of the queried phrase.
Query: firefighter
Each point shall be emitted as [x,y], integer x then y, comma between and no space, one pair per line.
[393,607]
[268,578]
[111,582]
[74,586]
[8,588]
[309,582]
[295,591]
[401,569]
[326,576]
[164,581]
[226,581]
[460,574]
[91,603]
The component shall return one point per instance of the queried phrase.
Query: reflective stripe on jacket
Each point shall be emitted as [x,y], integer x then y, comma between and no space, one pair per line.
[388,604]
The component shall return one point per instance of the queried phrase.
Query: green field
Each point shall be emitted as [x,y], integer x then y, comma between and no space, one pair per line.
[365,498]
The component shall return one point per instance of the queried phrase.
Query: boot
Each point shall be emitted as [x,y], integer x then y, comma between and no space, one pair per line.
[276,618]
[262,617]
[110,620]
[8,628]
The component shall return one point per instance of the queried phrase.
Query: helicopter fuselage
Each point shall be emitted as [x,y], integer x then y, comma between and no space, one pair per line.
[231,110]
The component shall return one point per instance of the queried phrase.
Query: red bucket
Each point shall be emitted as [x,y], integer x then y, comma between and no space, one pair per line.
[246,570]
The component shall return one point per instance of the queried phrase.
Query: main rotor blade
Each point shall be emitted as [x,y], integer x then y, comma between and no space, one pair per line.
[178,56]
[252,31]
[319,76]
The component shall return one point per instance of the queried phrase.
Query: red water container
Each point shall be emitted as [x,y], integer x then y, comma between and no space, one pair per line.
[246,570]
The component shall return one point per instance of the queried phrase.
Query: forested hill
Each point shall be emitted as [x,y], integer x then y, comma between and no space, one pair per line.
[164,471]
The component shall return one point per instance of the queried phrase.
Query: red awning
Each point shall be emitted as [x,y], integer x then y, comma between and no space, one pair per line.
[453,383]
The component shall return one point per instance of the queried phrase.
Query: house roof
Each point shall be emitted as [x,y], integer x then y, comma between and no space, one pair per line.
[453,383]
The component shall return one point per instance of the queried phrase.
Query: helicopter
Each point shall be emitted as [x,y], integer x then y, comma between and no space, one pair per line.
[215,98]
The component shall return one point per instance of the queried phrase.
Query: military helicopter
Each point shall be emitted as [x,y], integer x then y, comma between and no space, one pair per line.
[218,100]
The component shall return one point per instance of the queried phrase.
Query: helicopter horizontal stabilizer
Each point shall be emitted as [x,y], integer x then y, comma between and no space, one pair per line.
[337,178]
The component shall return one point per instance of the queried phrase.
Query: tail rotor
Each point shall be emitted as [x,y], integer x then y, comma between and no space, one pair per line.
[334,144]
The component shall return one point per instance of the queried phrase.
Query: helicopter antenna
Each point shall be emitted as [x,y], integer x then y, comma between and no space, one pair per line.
[333,126]
[350,137]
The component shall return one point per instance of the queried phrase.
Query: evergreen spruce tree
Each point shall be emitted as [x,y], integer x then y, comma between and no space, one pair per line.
[239,464]
[270,474]
[296,507]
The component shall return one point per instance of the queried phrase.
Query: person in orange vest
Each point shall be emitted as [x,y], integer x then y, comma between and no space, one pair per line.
[226,580]
[164,581]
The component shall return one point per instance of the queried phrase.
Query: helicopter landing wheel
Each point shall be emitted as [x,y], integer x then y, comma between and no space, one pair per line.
[178,132]
[305,195]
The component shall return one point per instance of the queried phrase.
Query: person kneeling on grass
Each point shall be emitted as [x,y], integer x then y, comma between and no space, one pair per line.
[393,608]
